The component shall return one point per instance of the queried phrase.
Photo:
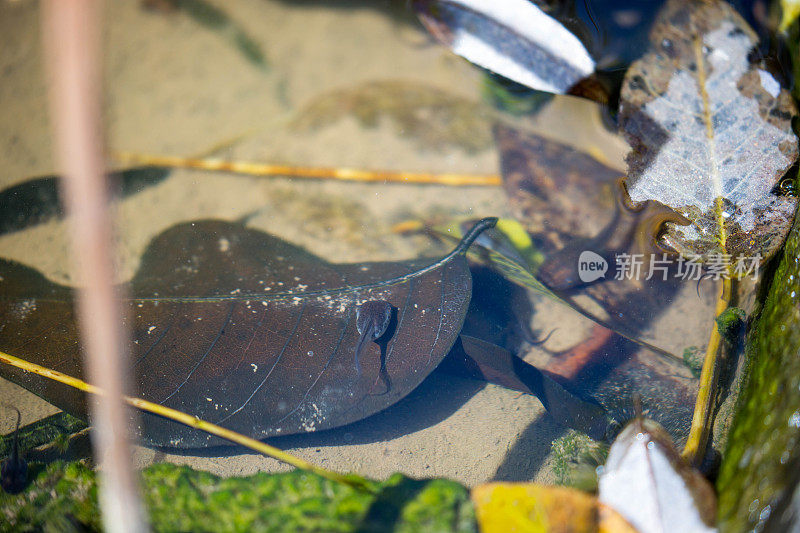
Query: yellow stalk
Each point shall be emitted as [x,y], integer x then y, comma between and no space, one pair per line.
[194,422]
[695,447]
[345,174]
[697,442]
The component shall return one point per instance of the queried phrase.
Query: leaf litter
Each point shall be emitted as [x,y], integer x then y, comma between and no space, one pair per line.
[648,483]
[750,212]
[514,38]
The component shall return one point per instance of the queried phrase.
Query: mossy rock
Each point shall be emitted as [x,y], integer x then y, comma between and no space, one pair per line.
[759,472]
[63,497]
[52,430]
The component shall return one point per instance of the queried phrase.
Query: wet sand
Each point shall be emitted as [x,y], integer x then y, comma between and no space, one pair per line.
[175,87]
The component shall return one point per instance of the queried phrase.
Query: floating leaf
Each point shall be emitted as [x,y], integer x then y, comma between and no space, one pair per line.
[513,38]
[247,331]
[648,483]
[710,131]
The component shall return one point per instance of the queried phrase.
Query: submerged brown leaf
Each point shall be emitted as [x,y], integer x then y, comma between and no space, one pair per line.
[711,132]
[249,332]
[570,203]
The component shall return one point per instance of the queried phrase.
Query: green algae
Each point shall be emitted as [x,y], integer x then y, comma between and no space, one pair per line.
[511,97]
[693,359]
[575,460]
[63,497]
[54,429]
[758,473]
[730,323]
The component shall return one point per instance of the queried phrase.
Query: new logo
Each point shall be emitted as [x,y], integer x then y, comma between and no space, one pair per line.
[591,266]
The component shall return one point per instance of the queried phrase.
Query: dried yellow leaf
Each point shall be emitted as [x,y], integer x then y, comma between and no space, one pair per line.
[528,507]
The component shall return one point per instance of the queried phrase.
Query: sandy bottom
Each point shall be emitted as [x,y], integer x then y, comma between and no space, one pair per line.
[175,87]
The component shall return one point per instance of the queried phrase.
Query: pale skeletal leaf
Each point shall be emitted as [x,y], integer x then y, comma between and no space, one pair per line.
[710,131]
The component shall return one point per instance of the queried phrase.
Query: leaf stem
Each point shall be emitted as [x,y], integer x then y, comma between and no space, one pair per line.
[352,480]
[467,240]
[696,444]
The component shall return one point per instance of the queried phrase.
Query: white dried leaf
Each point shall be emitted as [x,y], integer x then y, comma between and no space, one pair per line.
[646,481]
[513,38]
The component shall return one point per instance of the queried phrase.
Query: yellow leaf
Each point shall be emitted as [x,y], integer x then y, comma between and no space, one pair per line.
[791,10]
[527,507]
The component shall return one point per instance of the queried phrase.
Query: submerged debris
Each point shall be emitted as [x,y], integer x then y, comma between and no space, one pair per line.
[14,469]
[436,119]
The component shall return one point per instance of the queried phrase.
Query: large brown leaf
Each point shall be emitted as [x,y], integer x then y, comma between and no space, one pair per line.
[245,330]
[711,132]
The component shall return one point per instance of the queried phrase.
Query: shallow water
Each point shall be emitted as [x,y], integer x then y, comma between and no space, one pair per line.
[176,87]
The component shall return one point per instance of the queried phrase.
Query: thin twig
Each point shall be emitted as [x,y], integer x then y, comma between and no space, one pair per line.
[352,480]
[344,174]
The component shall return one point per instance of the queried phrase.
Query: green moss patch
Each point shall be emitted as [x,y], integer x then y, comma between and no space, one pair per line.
[63,497]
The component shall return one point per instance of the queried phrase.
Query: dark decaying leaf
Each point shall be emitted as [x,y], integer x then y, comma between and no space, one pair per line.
[513,38]
[570,203]
[483,360]
[710,131]
[36,200]
[557,192]
[245,330]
